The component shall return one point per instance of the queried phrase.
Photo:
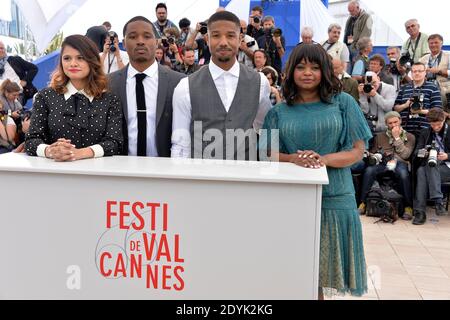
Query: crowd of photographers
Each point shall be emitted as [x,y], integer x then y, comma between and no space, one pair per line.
[406,106]
[405,100]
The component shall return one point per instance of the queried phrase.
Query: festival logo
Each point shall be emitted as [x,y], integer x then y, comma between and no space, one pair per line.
[138,244]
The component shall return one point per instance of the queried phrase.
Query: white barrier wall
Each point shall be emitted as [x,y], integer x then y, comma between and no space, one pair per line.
[146,228]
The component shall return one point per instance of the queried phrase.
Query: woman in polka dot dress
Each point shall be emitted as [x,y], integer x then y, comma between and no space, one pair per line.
[76,118]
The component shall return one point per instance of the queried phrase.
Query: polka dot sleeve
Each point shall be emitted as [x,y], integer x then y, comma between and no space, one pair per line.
[112,141]
[38,132]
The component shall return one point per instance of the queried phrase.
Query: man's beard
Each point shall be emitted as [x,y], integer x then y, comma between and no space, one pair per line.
[224,59]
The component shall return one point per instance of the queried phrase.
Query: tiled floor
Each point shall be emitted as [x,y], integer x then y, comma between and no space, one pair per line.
[405,261]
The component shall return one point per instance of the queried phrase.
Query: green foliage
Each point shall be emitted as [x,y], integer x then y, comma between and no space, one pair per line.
[55,44]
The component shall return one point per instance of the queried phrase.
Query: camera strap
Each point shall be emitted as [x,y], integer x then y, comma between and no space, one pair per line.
[414,48]
[110,62]
[440,140]
[435,62]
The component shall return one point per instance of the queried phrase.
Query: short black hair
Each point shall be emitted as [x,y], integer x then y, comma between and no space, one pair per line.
[137,18]
[329,84]
[161,5]
[184,23]
[258,8]
[224,16]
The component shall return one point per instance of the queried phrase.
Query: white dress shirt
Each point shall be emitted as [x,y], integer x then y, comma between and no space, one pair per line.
[71,90]
[151,95]
[226,83]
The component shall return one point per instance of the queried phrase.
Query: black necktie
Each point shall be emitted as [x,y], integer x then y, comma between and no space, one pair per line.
[141,116]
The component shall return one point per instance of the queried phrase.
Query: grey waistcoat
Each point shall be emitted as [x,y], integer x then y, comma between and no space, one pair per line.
[208,108]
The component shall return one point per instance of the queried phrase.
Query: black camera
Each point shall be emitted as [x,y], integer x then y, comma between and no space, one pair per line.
[406,61]
[375,158]
[368,85]
[25,115]
[273,32]
[393,67]
[203,28]
[256,19]
[417,101]
[430,152]
[251,44]
[166,42]
[112,37]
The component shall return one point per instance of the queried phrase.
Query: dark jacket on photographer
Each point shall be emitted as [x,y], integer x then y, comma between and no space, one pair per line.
[402,148]
[425,139]
[359,27]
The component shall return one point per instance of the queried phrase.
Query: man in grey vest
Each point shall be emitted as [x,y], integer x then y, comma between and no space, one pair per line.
[218,111]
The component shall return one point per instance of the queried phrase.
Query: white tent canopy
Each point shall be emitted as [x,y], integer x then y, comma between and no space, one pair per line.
[431,14]
[47,17]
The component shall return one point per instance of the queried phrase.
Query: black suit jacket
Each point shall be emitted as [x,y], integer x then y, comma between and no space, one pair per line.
[24,69]
[426,138]
[167,81]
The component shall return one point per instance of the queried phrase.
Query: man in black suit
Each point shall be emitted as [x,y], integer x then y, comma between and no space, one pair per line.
[145,89]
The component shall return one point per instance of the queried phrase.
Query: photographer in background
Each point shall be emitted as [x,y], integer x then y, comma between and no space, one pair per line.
[417,44]
[334,47]
[8,131]
[397,146]
[170,42]
[376,98]
[200,43]
[438,64]
[188,66]
[432,151]
[394,69]
[9,98]
[272,42]
[349,85]
[185,30]
[112,58]
[247,47]
[161,23]
[255,29]
[415,99]
[377,65]
[361,65]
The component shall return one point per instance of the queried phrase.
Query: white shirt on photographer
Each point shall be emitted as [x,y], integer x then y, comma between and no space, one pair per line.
[242,57]
[111,65]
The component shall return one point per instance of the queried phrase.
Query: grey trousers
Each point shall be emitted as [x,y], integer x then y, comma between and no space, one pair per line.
[429,181]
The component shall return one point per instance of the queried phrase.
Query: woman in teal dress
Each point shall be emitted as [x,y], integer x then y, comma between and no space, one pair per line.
[320,126]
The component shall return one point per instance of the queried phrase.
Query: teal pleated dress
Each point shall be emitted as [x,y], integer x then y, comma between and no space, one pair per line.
[330,128]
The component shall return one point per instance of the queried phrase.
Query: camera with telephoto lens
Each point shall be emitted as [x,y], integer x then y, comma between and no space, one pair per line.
[203,28]
[430,152]
[112,37]
[406,61]
[373,159]
[417,101]
[368,85]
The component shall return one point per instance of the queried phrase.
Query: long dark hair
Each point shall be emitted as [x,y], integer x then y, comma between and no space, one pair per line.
[329,85]
[97,82]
